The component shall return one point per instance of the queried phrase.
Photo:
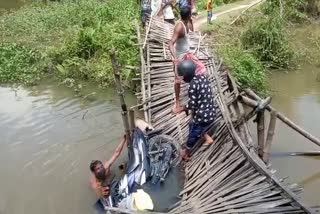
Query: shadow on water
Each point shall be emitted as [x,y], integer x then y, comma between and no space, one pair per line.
[48,138]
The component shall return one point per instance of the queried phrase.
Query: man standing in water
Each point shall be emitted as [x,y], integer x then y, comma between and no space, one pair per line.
[181,51]
[101,172]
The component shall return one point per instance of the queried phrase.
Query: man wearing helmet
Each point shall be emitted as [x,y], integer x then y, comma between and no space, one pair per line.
[200,104]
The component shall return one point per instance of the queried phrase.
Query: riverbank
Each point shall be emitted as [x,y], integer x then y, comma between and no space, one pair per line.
[68,39]
[265,40]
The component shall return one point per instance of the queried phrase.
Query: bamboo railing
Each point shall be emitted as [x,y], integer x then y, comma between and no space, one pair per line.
[229,176]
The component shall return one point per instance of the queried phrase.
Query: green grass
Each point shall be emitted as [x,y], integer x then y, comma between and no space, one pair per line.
[73,37]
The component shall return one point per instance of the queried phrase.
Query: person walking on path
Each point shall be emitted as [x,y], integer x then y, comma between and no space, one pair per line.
[209,11]
[180,50]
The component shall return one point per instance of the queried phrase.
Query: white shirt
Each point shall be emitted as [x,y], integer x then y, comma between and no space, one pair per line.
[168,12]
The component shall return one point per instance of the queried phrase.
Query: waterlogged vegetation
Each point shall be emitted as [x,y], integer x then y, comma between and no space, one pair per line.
[69,38]
[260,41]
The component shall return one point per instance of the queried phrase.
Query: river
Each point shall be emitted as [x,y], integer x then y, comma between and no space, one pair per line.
[297,95]
[48,138]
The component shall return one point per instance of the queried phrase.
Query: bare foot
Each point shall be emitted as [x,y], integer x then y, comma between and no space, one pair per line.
[207,140]
[177,109]
[184,155]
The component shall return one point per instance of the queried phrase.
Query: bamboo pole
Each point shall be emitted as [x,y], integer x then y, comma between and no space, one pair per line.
[131,119]
[286,120]
[117,78]
[252,5]
[221,178]
[267,147]
[260,132]
[142,64]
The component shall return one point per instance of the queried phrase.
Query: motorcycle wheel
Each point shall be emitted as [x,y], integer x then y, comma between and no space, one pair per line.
[155,142]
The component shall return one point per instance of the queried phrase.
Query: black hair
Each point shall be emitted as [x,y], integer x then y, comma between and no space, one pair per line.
[93,164]
[185,13]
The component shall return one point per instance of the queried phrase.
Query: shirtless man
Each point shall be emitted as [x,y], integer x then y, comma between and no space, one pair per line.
[101,172]
[180,50]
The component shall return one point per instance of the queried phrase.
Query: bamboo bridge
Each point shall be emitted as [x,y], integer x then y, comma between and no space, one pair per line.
[230,176]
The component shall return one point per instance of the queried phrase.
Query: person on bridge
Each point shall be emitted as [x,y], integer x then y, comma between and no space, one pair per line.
[200,104]
[101,172]
[209,11]
[167,11]
[180,50]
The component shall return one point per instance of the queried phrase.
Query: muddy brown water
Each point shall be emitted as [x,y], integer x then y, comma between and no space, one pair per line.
[297,95]
[46,146]
[48,138]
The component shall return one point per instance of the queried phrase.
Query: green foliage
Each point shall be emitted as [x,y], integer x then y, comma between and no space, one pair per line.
[19,64]
[289,10]
[75,36]
[245,67]
[267,38]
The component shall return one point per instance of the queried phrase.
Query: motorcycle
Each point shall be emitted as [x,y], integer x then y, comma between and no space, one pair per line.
[151,155]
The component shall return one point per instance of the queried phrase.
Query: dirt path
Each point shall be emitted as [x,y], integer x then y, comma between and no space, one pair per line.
[242,5]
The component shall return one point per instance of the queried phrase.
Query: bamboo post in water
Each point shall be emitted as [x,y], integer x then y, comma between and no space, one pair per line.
[284,119]
[260,131]
[117,79]
[272,126]
[131,119]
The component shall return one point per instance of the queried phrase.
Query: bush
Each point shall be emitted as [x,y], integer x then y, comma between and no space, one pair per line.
[75,36]
[267,38]
[19,64]
[245,67]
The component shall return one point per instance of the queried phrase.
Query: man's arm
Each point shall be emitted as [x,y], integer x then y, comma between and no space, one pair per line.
[161,8]
[116,154]
[191,25]
[175,36]
[193,102]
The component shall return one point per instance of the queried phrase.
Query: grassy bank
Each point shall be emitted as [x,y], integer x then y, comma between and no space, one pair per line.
[260,40]
[70,39]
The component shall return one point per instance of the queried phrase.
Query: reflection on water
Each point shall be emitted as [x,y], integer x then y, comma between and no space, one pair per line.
[297,95]
[48,138]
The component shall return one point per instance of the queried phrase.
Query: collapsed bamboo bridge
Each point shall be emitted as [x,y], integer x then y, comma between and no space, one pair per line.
[231,176]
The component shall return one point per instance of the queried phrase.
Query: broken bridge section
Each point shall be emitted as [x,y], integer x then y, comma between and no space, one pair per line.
[228,176]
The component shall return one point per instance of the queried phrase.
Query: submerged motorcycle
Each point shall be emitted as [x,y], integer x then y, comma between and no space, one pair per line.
[151,156]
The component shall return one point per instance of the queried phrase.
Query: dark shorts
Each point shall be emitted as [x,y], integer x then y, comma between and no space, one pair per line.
[209,15]
[145,14]
[196,131]
[171,21]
